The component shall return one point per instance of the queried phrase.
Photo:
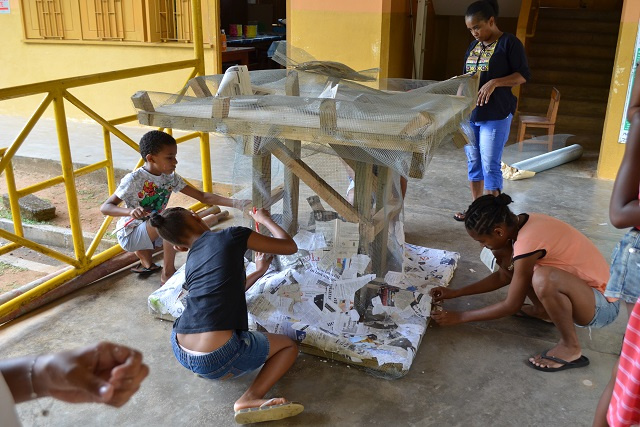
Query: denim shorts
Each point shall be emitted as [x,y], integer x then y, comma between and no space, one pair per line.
[606,312]
[245,352]
[138,239]
[624,282]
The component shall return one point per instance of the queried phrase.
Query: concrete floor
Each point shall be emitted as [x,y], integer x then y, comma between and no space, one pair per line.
[468,375]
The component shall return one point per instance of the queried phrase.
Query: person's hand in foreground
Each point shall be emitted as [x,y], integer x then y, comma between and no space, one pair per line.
[105,373]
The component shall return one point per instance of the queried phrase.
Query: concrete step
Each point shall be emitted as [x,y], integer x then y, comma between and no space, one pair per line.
[567,92]
[577,26]
[577,38]
[581,14]
[560,77]
[576,108]
[595,65]
[561,49]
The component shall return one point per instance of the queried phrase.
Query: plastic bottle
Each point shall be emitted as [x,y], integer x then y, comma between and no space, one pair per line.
[223,41]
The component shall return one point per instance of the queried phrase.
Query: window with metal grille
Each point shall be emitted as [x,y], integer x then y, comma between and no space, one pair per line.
[49,16]
[112,20]
[109,19]
[174,17]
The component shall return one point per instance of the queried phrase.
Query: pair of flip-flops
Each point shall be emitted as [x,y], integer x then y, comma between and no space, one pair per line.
[460,216]
[141,269]
[267,412]
[580,362]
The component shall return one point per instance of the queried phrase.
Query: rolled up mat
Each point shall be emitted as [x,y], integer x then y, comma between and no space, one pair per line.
[550,160]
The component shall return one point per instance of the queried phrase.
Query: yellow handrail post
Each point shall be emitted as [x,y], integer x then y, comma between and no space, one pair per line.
[108,154]
[69,176]
[13,200]
[205,161]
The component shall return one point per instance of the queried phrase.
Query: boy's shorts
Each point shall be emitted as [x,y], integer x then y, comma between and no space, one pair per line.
[138,239]
[606,312]
[624,282]
[245,352]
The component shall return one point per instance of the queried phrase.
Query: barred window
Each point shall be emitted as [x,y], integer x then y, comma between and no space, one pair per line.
[110,20]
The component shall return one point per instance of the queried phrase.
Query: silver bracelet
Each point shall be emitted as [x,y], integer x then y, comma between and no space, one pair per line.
[33,394]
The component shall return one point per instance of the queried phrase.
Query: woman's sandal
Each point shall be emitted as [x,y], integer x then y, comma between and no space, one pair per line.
[460,216]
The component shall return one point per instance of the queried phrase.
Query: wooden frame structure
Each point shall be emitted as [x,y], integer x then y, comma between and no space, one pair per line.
[407,134]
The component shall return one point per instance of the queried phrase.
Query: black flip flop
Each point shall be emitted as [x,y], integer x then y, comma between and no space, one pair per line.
[140,269]
[580,362]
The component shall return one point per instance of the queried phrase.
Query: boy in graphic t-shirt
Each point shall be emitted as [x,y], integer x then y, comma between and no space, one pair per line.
[147,190]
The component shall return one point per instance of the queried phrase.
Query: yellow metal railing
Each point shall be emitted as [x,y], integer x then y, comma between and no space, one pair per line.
[55,93]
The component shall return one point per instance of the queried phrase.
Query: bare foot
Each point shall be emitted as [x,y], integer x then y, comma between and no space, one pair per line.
[559,352]
[255,403]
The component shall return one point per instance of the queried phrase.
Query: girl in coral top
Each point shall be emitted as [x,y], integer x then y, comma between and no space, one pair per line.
[557,267]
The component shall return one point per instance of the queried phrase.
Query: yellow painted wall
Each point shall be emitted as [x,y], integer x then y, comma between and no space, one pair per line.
[362,34]
[611,150]
[30,62]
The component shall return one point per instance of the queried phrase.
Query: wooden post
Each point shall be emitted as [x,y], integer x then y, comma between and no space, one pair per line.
[380,243]
[362,203]
[291,181]
[328,116]
[220,107]
[261,175]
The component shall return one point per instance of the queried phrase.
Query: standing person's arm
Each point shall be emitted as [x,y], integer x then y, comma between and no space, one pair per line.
[105,373]
[634,102]
[487,89]
[519,67]
[624,208]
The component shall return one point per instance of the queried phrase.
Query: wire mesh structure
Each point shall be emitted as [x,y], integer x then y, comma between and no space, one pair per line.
[326,152]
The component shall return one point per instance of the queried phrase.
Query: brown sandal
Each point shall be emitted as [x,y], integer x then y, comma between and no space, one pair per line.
[460,216]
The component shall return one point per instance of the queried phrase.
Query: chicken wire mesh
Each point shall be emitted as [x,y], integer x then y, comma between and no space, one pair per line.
[327,153]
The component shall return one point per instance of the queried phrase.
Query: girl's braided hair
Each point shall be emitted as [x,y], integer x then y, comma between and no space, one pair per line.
[486,212]
[171,224]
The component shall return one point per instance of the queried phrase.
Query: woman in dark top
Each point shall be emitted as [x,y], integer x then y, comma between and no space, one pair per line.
[501,63]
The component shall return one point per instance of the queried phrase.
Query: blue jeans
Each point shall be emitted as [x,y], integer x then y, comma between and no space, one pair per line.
[245,351]
[624,282]
[485,153]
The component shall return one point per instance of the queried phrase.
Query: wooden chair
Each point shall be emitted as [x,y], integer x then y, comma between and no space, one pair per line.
[548,122]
